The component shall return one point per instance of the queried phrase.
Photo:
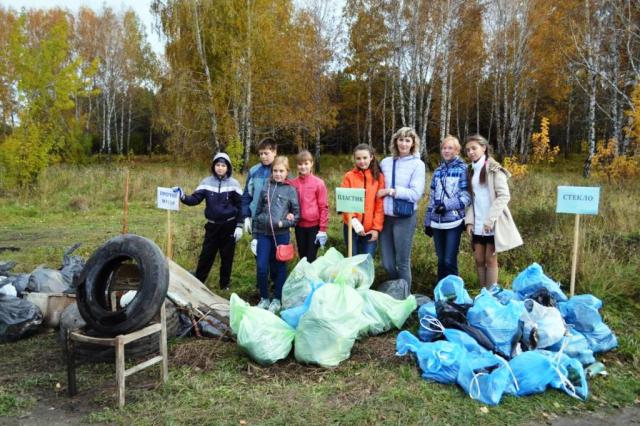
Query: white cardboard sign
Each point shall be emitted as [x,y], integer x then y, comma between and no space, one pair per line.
[167,199]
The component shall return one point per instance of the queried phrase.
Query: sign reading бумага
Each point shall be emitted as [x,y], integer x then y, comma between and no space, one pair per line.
[168,199]
[578,199]
[350,200]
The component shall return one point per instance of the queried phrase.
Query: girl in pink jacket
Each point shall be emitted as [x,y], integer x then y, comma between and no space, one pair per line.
[311,230]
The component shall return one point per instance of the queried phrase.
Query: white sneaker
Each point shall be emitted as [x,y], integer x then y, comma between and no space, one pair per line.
[275,306]
[264,303]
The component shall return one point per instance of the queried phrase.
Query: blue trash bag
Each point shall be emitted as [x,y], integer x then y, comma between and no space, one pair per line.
[575,345]
[485,377]
[582,312]
[463,339]
[504,295]
[451,289]
[428,330]
[292,315]
[532,279]
[439,361]
[499,322]
[533,372]
[570,376]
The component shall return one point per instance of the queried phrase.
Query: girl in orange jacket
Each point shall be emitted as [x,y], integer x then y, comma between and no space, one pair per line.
[366,226]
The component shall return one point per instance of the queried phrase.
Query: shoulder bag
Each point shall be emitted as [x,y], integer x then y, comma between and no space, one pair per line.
[401,208]
[284,252]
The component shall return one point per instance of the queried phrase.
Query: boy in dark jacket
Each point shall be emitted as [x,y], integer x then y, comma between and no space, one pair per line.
[224,218]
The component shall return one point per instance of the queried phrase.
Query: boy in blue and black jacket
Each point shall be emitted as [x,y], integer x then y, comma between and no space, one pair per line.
[223,211]
[256,178]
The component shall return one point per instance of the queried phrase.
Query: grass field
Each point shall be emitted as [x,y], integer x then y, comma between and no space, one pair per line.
[211,382]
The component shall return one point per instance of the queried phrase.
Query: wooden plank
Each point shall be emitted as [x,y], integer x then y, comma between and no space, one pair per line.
[163,344]
[102,341]
[120,376]
[143,365]
[187,291]
[150,329]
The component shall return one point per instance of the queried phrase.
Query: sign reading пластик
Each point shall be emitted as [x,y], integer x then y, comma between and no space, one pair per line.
[578,199]
[350,200]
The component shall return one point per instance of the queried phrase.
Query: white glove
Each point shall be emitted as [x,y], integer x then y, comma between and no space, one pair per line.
[321,238]
[254,247]
[247,225]
[179,191]
[357,226]
[237,234]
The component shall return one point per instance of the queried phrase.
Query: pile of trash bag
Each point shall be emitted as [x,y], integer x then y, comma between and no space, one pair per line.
[20,317]
[509,342]
[328,305]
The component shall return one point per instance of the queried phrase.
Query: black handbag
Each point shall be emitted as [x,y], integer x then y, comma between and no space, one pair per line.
[401,208]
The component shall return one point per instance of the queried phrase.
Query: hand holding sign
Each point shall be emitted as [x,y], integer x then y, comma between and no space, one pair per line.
[168,199]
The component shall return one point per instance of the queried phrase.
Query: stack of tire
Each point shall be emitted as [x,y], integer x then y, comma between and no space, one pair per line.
[93,312]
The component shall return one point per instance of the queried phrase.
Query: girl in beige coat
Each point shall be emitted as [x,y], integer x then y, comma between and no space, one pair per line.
[488,219]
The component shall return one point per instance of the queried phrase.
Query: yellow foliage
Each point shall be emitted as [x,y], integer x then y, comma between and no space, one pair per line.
[235,152]
[542,151]
[23,156]
[516,168]
[633,129]
[616,168]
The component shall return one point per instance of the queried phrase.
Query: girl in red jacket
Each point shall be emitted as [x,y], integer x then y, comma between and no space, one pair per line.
[366,226]
[311,231]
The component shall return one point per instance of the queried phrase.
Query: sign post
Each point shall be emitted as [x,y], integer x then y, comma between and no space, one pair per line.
[168,200]
[577,200]
[349,201]
[125,218]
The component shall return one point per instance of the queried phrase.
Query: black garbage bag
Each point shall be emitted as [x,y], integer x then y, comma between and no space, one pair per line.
[454,315]
[46,280]
[6,266]
[18,318]
[71,267]
[19,281]
[398,289]
[544,297]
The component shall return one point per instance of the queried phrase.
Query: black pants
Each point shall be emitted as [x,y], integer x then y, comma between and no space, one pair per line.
[306,240]
[217,237]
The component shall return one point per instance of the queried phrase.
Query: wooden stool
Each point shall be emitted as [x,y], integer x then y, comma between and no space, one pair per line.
[119,342]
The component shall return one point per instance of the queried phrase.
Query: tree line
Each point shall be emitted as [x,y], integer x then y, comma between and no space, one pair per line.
[234,72]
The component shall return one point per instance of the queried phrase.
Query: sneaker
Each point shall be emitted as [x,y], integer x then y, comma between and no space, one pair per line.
[275,306]
[264,303]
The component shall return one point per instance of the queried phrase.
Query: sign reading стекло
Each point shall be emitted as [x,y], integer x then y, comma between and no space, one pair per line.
[168,199]
[578,199]
[350,200]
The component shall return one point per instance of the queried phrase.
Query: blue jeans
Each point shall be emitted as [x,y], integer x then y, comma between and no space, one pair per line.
[267,265]
[361,245]
[447,242]
[396,242]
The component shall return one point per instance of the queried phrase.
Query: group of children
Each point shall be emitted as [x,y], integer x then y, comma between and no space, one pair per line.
[271,203]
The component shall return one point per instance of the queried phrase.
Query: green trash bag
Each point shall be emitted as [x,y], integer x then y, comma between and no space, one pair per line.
[264,336]
[327,331]
[322,264]
[356,271]
[384,312]
[298,284]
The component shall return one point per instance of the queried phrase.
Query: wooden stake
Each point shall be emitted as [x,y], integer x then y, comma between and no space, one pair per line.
[125,218]
[574,263]
[350,236]
[169,239]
